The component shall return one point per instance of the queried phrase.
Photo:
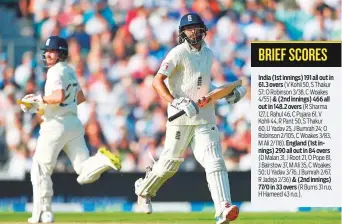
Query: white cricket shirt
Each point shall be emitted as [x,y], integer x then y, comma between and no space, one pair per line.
[188,71]
[61,76]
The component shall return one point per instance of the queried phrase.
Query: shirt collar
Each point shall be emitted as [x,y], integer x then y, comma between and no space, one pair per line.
[190,48]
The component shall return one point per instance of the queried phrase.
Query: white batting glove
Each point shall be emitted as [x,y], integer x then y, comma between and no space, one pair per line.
[32,110]
[24,108]
[238,93]
[190,107]
[31,98]
[29,107]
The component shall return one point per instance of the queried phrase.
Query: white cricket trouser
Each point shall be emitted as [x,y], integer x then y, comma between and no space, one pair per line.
[205,143]
[65,133]
[61,133]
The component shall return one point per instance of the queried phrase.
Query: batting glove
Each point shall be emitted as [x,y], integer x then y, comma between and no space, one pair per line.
[31,98]
[238,93]
[29,107]
[190,107]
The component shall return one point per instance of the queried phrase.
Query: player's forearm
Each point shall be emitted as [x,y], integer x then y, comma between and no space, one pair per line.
[54,98]
[80,97]
[162,90]
[80,101]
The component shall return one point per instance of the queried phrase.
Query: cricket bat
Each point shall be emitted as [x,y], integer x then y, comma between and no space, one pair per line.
[214,95]
[28,105]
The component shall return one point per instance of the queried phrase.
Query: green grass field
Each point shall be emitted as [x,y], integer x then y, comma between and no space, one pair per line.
[181,218]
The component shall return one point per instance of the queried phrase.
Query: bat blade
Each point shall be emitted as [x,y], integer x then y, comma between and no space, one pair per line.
[219,93]
[214,95]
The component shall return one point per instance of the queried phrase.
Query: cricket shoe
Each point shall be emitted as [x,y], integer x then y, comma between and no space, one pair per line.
[144,203]
[229,213]
[112,160]
[45,217]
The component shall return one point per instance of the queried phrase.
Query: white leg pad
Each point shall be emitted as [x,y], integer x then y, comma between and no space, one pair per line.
[217,175]
[93,168]
[42,190]
[164,169]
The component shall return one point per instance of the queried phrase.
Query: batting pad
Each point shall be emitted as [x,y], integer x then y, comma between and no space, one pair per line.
[217,175]
[42,190]
[164,169]
[92,169]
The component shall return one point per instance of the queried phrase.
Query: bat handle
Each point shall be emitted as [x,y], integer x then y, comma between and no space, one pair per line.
[175,116]
[24,103]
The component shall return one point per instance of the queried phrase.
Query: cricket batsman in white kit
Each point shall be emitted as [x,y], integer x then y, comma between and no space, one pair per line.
[188,67]
[60,130]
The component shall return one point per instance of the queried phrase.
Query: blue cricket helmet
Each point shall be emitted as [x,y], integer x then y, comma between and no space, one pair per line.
[192,19]
[58,44]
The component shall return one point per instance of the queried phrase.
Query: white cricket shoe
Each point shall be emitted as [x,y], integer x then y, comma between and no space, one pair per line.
[45,217]
[144,203]
[30,220]
[229,213]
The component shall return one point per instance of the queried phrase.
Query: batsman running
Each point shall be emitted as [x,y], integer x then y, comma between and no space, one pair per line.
[187,67]
[60,130]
